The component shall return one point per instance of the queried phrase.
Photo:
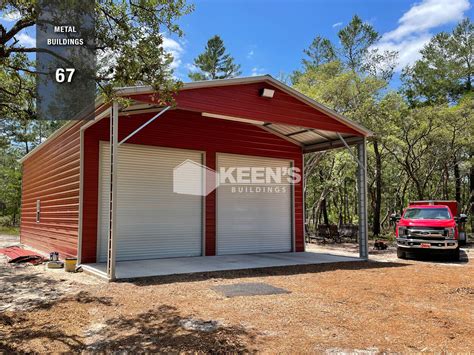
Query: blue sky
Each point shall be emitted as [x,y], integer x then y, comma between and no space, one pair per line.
[268,36]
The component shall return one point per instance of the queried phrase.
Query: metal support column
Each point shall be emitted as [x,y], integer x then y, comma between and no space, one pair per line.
[362,199]
[112,232]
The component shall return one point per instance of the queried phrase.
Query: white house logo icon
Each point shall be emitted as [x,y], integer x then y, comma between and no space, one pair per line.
[191,178]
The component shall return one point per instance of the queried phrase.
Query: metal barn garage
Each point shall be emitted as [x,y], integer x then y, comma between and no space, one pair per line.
[104,189]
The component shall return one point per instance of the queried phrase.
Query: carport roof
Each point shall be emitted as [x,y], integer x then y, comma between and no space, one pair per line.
[312,126]
[294,116]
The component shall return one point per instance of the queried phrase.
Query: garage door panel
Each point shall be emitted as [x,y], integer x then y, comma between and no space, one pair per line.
[152,220]
[251,222]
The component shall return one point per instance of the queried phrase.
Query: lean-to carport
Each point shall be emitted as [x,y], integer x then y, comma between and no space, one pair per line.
[304,123]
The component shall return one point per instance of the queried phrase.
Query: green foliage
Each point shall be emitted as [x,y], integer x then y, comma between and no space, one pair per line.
[130,35]
[129,47]
[343,90]
[10,182]
[321,51]
[446,70]
[356,39]
[423,146]
[214,62]
[8,230]
[359,98]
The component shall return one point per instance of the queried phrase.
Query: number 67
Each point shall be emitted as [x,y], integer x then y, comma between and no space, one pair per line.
[61,76]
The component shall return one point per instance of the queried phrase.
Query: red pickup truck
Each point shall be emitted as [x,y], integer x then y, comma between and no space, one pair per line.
[430,226]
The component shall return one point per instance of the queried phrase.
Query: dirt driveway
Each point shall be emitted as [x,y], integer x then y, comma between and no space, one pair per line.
[377,306]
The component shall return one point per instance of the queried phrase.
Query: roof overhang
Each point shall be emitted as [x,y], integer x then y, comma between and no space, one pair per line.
[311,139]
[141,93]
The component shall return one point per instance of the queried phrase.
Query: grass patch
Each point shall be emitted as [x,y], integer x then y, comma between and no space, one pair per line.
[10,230]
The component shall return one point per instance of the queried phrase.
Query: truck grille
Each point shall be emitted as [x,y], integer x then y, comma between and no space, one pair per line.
[427,232]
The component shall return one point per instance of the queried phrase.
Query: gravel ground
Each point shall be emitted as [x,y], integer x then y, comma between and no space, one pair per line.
[385,305]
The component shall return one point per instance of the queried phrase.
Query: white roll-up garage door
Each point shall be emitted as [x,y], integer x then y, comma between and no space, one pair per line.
[249,219]
[152,220]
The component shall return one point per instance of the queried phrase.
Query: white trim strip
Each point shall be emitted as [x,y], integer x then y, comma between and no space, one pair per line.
[231,118]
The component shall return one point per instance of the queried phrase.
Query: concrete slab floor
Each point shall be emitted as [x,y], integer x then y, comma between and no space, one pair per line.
[189,265]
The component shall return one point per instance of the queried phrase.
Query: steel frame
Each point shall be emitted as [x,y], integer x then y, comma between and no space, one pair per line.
[362,199]
[114,144]
[361,160]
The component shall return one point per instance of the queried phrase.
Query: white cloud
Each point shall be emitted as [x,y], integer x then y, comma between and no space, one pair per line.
[408,49]
[250,54]
[427,15]
[191,67]
[175,49]
[25,40]
[11,16]
[413,31]
[257,71]
[337,24]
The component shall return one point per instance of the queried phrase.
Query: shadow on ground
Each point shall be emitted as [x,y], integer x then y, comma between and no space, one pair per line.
[22,330]
[165,330]
[439,258]
[263,272]
[162,330]
[23,290]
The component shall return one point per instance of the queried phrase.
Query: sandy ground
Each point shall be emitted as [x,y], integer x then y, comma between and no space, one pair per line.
[385,305]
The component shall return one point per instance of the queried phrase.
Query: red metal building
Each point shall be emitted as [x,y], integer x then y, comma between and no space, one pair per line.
[102,189]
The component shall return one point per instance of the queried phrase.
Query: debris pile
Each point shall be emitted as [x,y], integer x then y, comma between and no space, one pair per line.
[17,255]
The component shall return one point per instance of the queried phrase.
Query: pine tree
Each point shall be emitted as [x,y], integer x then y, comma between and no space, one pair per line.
[321,51]
[214,62]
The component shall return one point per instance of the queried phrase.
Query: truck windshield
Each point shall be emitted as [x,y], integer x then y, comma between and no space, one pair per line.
[427,213]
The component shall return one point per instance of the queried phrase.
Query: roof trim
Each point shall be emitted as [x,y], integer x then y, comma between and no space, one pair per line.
[357,127]
[62,129]
[147,89]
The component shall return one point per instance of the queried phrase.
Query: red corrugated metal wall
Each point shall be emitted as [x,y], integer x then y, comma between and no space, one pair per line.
[187,130]
[52,176]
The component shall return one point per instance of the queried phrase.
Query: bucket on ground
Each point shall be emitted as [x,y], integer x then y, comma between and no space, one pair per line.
[70,264]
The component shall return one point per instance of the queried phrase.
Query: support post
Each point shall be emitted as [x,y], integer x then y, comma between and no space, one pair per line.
[112,235]
[303,197]
[362,199]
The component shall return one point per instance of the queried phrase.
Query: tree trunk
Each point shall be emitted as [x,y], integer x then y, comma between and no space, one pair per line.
[378,190]
[419,190]
[346,204]
[324,211]
[402,198]
[457,181]
[314,214]
[446,182]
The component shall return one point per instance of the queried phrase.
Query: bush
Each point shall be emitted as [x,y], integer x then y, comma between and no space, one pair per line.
[6,221]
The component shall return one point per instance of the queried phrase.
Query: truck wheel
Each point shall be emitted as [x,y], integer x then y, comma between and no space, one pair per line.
[401,254]
[455,256]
